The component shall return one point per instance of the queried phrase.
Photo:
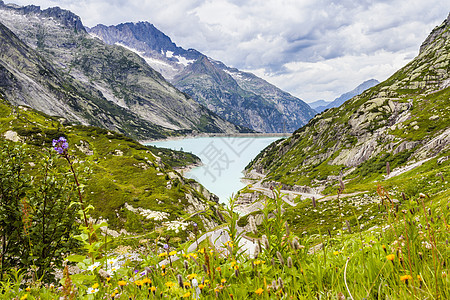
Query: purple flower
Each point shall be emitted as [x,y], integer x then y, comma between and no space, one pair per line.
[166,246]
[60,145]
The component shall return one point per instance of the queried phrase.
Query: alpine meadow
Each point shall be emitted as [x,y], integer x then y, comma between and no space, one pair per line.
[352,200]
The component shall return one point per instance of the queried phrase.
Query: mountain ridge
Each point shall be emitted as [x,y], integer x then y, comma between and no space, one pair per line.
[403,120]
[122,84]
[236,101]
[348,95]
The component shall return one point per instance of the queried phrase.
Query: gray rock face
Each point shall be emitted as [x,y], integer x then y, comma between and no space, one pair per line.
[239,97]
[52,64]
[406,117]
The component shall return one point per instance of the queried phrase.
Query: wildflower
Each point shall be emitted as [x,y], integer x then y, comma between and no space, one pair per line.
[384,247]
[201,286]
[202,250]
[390,257]
[60,145]
[172,253]
[187,295]
[219,269]
[191,276]
[24,297]
[223,280]
[336,252]
[166,247]
[152,289]
[146,280]
[162,254]
[28,289]
[187,284]
[405,278]
[108,279]
[91,290]
[139,283]
[93,266]
[419,278]
[169,284]
[95,285]
[259,291]
[122,283]
[289,262]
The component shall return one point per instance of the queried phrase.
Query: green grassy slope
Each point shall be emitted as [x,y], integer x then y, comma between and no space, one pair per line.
[121,171]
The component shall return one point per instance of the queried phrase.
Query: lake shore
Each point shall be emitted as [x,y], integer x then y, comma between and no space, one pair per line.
[200,135]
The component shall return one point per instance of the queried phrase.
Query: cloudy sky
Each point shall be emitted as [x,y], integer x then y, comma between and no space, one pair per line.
[314,49]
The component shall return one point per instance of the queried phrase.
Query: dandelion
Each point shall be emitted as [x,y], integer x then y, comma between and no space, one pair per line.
[259,291]
[405,278]
[390,257]
[122,283]
[139,283]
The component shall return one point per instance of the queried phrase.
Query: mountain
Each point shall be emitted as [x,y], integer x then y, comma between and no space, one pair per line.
[239,97]
[51,63]
[318,103]
[346,96]
[403,122]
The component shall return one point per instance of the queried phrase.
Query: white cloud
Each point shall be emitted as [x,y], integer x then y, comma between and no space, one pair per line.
[311,48]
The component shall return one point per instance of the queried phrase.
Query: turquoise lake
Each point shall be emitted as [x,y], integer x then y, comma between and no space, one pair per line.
[224,159]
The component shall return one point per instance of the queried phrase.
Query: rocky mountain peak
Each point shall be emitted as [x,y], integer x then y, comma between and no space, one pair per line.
[65,17]
[437,31]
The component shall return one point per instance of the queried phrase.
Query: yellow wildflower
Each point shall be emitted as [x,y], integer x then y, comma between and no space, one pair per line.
[24,297]
[259,291]
[146,280]
[153,289]
[28,289]
[390,257]
[201,250]
[201,286]
[337,252]
[170,284]
[186,295]
[122,283]
[172,253]
[223,280]
[95,285]
[187,284]
[405,278]
[162,254]
[139,283]
[191,276]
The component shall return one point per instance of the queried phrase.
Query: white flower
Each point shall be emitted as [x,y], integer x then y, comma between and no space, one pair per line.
[91,291]
[93,266]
